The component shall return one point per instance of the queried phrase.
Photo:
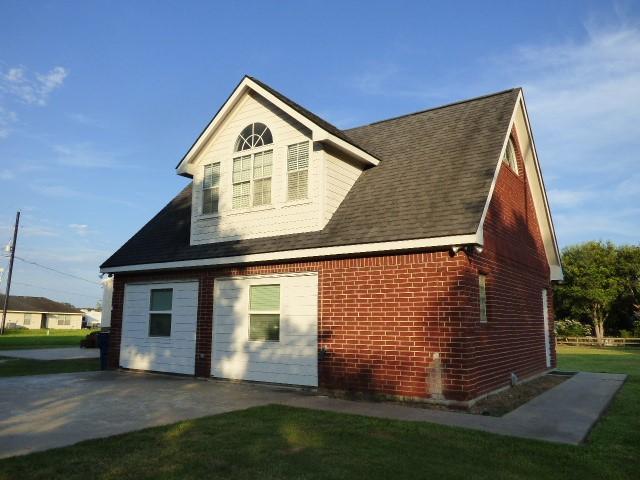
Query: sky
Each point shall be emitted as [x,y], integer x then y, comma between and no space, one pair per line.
[99,100]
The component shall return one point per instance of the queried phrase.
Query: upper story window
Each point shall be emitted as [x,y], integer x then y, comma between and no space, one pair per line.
[510,156]
[253,136]
[298,171]
[252,171]
[211,188]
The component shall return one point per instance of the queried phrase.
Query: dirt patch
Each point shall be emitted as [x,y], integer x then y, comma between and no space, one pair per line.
[503,402]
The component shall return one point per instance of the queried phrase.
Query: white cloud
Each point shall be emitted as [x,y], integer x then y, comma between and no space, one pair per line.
[7,119]
[583,97]
[84,155]
[33,89]
[79,229]
[568,198]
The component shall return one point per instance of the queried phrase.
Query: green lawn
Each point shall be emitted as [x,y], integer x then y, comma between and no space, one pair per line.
[15,367]
[276,442]
[23,338]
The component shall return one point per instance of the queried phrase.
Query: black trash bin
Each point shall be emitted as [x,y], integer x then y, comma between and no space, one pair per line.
[103,345]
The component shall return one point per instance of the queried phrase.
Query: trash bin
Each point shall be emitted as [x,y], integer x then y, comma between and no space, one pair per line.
[103,345]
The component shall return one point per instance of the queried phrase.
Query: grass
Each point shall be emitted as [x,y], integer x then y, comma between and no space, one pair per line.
[16,367]
[275,442]
[15,339]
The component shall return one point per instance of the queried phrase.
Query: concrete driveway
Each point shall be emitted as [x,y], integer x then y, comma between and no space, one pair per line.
[46,411]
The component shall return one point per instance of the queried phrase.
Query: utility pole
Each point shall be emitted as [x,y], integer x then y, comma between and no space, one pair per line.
[8,291]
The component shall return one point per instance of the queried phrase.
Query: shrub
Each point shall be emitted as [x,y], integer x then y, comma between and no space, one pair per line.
[636,328]
[626,333]
[572,328]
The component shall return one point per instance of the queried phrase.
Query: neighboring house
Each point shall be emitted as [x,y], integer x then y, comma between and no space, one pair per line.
[411,257]
[40,312]
[91,317]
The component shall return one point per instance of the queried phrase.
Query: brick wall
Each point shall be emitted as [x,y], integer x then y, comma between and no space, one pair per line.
[408,324]
[517,271]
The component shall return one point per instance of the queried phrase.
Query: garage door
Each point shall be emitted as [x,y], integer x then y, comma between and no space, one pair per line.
[159,327]
[265,329]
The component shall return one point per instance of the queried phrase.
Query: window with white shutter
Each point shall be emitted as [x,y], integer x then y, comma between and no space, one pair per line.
[242,182]
[298,171]
[211,188]
[262,168]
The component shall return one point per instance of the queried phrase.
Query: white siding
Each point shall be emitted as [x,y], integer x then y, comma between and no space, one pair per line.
[16,320]
[175,353]
[75,321]
[340,177]
[293,360]
[278,218]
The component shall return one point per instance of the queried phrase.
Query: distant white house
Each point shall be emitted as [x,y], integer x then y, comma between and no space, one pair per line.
[92,318]
[41,312]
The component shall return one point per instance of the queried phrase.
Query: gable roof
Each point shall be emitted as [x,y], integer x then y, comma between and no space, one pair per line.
[37,304]
[321,130]
[433,180]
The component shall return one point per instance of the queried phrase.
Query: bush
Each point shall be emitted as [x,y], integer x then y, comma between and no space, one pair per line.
[636,328]
[626,334]
[572,328]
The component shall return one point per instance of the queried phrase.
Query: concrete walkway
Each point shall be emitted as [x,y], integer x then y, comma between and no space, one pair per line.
[46,411]
[52,353]
[563,414]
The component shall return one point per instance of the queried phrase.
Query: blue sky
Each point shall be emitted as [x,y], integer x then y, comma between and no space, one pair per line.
[99,101]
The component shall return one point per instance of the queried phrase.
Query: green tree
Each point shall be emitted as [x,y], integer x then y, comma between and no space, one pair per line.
[629,273]
[592,282]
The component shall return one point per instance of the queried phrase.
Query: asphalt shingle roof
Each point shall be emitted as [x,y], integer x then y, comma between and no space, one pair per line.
[434,176]
[36,304]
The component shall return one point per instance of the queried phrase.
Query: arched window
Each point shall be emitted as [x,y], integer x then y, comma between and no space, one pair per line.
[510,156]
[252,136]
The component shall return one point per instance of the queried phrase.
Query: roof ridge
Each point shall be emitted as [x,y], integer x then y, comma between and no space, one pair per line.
[459,102]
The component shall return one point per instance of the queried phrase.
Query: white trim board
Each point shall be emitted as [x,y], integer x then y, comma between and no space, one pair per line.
[381,247]
[537,188]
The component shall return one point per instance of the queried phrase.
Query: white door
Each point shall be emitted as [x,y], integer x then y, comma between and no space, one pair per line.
[265,328]
[545,314]
[159,327]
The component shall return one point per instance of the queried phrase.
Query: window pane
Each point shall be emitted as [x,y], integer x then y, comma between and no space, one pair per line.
[264,298]
[161,299]
[298,185]
[210,200]
[262,192]
[241,195]
[159,324]
[482,284]
[211,175]
[264,327]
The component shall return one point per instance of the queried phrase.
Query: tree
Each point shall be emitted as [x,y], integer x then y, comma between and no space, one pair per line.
[629,273]
[592,282]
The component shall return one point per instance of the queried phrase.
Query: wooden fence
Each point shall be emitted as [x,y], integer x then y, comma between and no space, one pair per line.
[593,341]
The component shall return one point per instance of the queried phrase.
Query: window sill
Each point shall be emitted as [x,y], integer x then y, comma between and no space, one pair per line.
[295,203]
[240,211]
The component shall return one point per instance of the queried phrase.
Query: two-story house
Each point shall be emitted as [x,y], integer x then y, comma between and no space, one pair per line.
[411,257]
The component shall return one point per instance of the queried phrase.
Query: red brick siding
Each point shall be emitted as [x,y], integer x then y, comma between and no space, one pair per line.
[380,319]
[517,270]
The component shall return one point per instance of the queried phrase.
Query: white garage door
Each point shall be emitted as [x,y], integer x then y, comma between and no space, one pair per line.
[265,329]
[159,327]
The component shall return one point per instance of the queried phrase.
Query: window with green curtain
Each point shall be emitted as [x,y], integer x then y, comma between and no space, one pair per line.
[160,306]
[264,313]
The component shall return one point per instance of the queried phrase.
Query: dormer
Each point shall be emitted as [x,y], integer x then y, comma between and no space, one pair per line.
[264,166]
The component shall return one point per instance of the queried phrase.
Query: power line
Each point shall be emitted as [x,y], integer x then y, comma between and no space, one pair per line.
[56,290]
[56,270]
